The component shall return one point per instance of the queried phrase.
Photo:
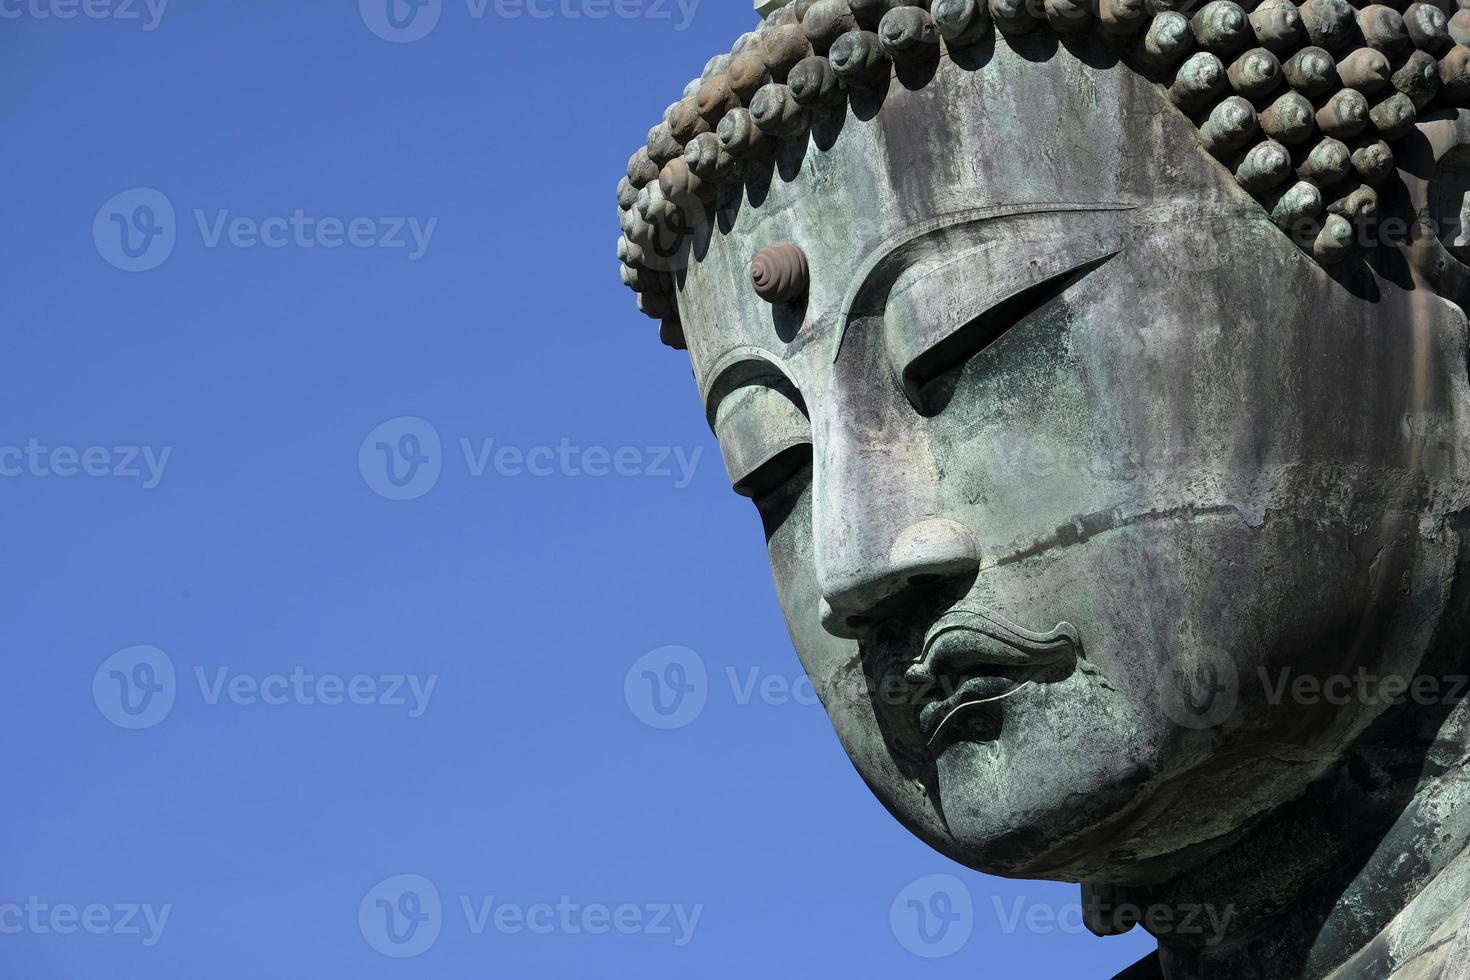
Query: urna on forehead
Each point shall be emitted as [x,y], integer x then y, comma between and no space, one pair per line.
[1020,131]
[845,119]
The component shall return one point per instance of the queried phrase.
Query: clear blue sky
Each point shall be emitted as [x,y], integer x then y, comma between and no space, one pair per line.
[192,460]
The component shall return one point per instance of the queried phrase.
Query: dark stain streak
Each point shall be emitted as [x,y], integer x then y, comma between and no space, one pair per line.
[1086,526]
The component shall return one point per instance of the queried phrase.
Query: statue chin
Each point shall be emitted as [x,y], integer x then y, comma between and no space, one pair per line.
[1114,494]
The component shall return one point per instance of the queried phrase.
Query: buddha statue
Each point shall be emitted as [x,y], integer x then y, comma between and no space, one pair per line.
[1098,372]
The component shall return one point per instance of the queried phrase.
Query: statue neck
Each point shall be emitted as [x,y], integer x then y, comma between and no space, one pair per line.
[1373,864]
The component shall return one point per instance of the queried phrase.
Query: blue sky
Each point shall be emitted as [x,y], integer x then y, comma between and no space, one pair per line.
[275,711]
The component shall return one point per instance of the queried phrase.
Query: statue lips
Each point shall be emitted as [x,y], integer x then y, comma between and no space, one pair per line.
[974,656]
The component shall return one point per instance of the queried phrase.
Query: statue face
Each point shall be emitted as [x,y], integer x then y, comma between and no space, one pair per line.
[1067,459]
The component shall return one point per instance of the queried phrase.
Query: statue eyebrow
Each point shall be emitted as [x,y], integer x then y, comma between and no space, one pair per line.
[735,369]
[886,260]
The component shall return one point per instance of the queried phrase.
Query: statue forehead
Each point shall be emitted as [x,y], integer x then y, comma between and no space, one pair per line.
[972,145]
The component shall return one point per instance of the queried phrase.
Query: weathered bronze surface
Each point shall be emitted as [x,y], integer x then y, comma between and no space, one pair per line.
[1099,373]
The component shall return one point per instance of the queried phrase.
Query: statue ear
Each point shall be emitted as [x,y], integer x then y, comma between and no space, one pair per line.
[1104,911]
[1434,165]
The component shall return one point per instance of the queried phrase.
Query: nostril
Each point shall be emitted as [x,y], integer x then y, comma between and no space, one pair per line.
[932,550]
[869,588]
[841,625]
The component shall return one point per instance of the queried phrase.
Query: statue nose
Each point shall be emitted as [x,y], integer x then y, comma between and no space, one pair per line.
[925,554]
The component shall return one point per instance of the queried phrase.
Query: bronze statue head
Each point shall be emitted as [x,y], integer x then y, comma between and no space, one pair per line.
[1097,372]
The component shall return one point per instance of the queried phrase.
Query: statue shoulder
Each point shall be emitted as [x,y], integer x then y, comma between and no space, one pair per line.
[1147,968]
[1441,954]
[1457,961]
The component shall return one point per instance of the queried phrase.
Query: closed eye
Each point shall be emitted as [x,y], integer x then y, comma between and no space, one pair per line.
[936,365]
[775,471]
[764,434]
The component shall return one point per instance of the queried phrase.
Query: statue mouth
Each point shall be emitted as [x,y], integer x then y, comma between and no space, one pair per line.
[972,660]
